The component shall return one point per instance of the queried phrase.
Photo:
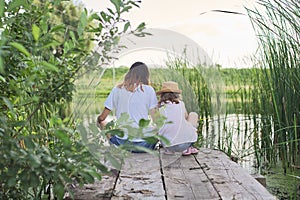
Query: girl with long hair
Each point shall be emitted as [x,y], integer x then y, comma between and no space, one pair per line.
[135,97]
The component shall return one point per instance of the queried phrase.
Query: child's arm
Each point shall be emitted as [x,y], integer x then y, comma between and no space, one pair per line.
[101,118]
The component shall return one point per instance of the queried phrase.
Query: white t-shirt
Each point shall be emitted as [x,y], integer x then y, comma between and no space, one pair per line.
[179,130]
[137,104]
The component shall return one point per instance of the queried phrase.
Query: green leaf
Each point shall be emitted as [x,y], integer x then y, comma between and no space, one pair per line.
[34,180]
[11,181]
[134,3]
[126,9]
[95,16]
[104,16]
[110,125]
[60,27]
[63,137]
[8,103]
[163,139]
[72,35]
[115,163]
[141,27]
[117,132]
[28,143]
[59,190]
[54,121]
[47,159]
[50,66]
[45,197]
[151,140]
[144,123]
[83,133]
[94,173]
[51,44]
[20,123]
[100,28]
[117,4]
[16,4]
[44,26]
[20,47]
[1,7]
[110,10]
[126,26]
[1,64]
[101,167]
[87,176]
[82,23]
[34,160]
[2,79]
[36,31]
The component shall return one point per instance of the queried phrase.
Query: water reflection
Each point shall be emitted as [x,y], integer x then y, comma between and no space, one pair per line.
[233,134]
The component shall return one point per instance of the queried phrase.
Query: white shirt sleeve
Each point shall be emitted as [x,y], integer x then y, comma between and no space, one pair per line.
[109,102]
[153,99]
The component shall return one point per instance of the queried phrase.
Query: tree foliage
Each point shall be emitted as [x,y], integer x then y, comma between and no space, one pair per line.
[42,49]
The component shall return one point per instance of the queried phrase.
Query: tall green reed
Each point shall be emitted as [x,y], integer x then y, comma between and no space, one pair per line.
[278,31]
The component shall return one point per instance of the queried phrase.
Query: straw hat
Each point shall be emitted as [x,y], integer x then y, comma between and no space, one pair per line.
[169,86]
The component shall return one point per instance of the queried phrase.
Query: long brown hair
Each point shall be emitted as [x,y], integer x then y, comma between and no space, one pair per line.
[169,97]
[137,75]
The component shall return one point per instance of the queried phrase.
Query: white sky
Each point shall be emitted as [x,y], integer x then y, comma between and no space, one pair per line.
[228,39]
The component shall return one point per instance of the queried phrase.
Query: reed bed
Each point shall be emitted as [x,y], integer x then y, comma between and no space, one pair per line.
[278,31]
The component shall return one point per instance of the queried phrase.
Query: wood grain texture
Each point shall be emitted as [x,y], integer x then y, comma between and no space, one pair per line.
[209,175]
[229,178]
[185,179]
[140,178]
[100,190]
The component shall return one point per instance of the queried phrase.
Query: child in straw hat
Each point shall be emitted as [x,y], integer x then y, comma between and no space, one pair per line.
[182,129]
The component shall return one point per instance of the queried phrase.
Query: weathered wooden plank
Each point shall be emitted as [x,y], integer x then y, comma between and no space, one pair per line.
[100,190]
[175,181]
[185,179]
[229,178]
[208,175]
[140,178]
[201,187]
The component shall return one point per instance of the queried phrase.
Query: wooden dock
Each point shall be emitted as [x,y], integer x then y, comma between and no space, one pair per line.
[208,175]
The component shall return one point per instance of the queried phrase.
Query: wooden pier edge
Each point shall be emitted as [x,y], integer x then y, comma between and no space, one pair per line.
[210,174]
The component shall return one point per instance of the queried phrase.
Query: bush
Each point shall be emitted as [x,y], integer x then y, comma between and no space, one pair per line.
[42,52]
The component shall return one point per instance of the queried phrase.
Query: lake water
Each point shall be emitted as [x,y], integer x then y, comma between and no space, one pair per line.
[232,134]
